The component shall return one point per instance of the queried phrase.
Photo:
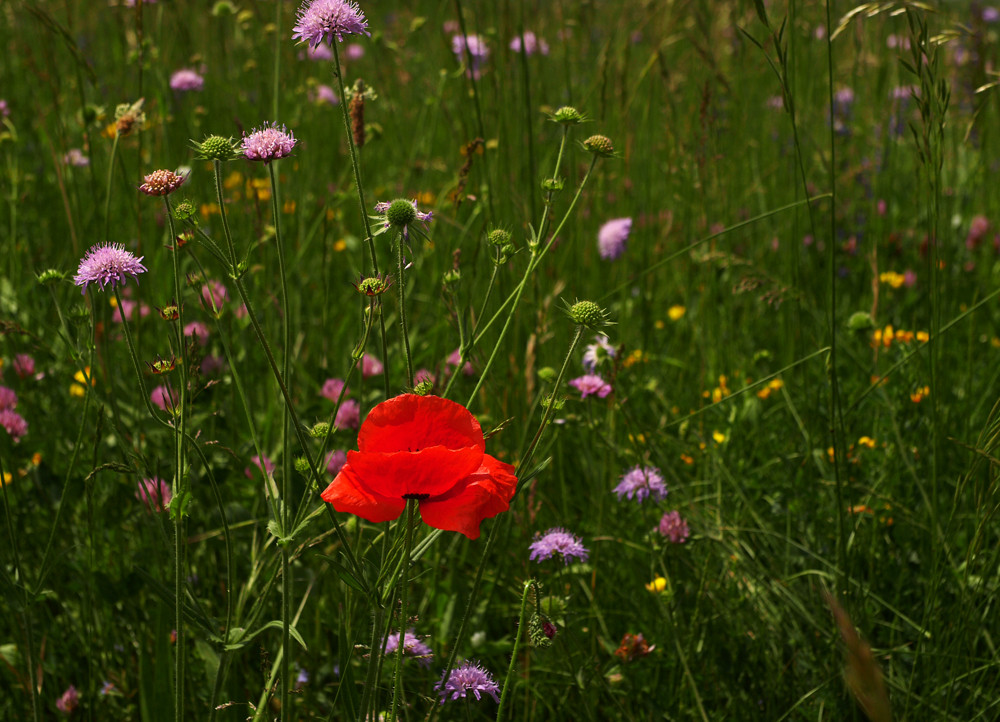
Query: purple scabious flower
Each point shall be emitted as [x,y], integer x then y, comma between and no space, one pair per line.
[24,366]
[413,646]
[185,80]
[76,158]
[199,331]
[325,94]
[154,494]
[557,541]
[13,423]
[331,389]
[107,264]
[613,237]
[370,366]
[469,677]
[4,109]
[265,465]
[597,352]
[642,481]
[530,43]
[335,461]
[68,701]
[591,385]
[674,528]
[477,51]
[8,398]
[455,357]
[348,415]
[320,21]
[268,143]
[213,295]
[164,397]
[319,52]
[355,51]
[990,15]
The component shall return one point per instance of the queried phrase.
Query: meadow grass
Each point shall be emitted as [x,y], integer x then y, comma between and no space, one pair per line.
[797,399]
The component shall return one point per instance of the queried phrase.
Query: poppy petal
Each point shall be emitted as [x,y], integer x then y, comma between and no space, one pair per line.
[347,492]
[429,472]
[412,423]
[481,495]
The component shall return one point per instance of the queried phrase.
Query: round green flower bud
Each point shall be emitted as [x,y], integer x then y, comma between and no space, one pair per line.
[452,276]
[50,276]
[567,115]
[215,147]
[301,465]
[401,213]
[499,237]
[184,210]
[423,388]
[373,285]
[599,145]
[223,8]
[860,321]
[587,313]
[552,184]
[320,430]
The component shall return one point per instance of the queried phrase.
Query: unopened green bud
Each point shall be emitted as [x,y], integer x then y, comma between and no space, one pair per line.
[540,631]
[216,147]
[373,285]
[552,184]
[184,210]
[452,276]
[599,145]
[301,465]
[51,276]
[424,387]
[320,430]
[499,237]
[587,313]
[401,213]
[568,115]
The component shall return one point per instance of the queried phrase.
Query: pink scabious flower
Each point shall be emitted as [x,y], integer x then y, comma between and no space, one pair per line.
[199,331]
[185,80]
[531,44]
[613,237]
[154,494]
[8,398]
[355,51]
[455,357]
[640,482]
[4,109]
[268,143]
[68,701]
[473,49]
[335,461]
[161,183]
[325,94]
[674,528]
[591,385]
[76,158]
[331,389]
[108,264]
[320,21]
[978,229]
[24,365]
[557,541]
[348,415]
[598,352]
[319,52]
[127,309]
[265,465]
[469,677]
[13,423]
[213,295]
[164,397]
[371,366]
[413,646]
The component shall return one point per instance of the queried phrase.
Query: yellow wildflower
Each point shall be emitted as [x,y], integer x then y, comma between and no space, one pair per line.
[340,245]
[896,280]
[920,394]
[80,388]
[657,585]
[676,313]
[719,437]
[867,441]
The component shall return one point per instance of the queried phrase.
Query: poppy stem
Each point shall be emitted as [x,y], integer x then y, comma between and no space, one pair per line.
[404,579]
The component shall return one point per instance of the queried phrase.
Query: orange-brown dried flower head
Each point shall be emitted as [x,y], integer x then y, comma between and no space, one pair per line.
[161,183]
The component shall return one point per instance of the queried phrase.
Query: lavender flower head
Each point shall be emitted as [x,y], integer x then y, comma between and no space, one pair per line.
[164,397]
[597,352]
[335,461]
[13,423]
[319,52]
[557,541]
[591,385]
[185,80]
[107,264]
[8,398]
[320,21]
[469,677]
[76,158]
[4,109]
[674,528]
[412,646]
[68,701]
[331,389]
[24,365]
[348,415]
[641,482]
[370,366]
[472,48]
[268,143]
[530,43]
[265,465]
[613,237]
[154,494]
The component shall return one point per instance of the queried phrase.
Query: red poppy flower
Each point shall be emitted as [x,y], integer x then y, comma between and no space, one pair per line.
[424,448]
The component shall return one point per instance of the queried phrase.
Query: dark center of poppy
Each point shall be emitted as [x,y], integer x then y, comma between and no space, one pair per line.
[417,497]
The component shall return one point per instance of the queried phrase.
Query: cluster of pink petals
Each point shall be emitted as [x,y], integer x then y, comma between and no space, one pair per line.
[185,80]
[591,385]
[268,143]
[154,494]
[320,21]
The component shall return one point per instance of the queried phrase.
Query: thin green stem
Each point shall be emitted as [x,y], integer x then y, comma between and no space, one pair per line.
[402,314]
[107,194]
[517,645]
[404,583]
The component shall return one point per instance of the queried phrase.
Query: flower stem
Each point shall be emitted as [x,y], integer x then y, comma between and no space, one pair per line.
[404,582]
[107,195]
[517,644]
[402,316]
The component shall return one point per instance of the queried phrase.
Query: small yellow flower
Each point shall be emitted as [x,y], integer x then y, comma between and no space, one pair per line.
[635,357]
[232,180]
[657,585]
[867,441]
[340,245]
[896,280]
[676,313]
[920,394]
[659,325]
[719,437]
[80,388]
[288,207]
[923,336]
[209,209]
[6,479]
[687,459]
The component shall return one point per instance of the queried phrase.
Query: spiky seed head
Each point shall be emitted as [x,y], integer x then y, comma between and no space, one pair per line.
[373,285]
[184,210]
[599,145]
[568,115]
[587,313]
[320,430]
[216,147]
[499,237]
[401,213]
[301,465]
[51,275]
[423,388]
